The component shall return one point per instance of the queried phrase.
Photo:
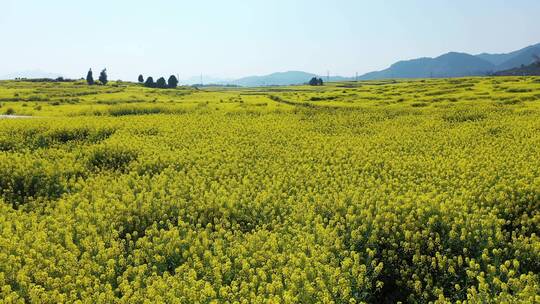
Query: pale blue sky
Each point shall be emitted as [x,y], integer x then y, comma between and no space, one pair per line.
[243,37]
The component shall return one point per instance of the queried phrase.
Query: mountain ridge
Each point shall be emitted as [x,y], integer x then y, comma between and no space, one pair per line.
[455,64]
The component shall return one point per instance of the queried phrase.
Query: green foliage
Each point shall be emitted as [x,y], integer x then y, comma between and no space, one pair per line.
[172,82]
[149,83]
[90,77]
[316,81]
[103,77]
[161,83]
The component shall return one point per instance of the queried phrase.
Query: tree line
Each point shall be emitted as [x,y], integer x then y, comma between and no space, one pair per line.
[161,83]
[171,83]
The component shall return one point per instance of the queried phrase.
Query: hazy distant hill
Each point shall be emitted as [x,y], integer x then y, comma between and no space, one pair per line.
[32,74]
[282,78]
[513,59]
[457,65]
[205,80]
[447,65]
[496,59]
[524,57]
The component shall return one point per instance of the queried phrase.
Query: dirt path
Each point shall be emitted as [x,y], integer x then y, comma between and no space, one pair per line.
[14,116]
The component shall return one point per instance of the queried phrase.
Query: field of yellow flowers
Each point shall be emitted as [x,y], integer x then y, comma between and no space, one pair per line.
[363,192]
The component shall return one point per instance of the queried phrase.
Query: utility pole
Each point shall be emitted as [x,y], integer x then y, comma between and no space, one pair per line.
[327,76]
[356,77]
[202,84]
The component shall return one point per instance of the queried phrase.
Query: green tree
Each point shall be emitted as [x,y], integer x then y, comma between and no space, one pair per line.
[103,77]
[172,82]
[149,83]
[141,78]
[161,83]
[90,78]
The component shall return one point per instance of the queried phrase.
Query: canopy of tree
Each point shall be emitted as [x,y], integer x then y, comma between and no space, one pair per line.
[172,82]
[90,77]
[161,83]
[316,81]
[149,83]
[103,77]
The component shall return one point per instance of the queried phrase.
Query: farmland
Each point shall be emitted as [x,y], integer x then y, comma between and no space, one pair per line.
[374,192]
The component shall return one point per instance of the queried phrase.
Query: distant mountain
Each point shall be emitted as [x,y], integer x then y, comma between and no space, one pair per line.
[32,74]
[457,65]
[516,58]
[495,59]
[206,80]
[448,65]
[281,79]
[523,57]
[338,78]
[275,79]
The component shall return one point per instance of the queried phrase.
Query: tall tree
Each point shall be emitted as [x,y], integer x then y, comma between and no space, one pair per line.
[161,83]
[149,83]
[141,78]
[89,78]
[103,77]
[320,82]
[172,82]
[314,81]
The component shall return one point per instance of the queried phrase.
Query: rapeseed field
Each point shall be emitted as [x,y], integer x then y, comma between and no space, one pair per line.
[357,192]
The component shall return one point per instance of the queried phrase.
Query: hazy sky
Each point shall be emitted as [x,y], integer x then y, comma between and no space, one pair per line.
[243,37]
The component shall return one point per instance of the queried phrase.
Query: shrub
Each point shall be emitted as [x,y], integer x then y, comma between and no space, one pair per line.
[124,110]
[111,157]
[23,179]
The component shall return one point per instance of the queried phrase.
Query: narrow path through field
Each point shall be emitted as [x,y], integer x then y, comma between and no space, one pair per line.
[291,103]
[309,105]
[14,116]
